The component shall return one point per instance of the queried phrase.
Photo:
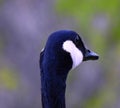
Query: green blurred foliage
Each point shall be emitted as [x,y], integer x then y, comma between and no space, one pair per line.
[8,79]
[106,41]
[85,10]
[99,99]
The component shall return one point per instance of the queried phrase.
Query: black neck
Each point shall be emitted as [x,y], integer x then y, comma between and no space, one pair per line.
[53,91]
[54,72]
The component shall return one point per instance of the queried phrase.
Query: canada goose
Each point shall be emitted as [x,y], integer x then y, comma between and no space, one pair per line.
[64,50]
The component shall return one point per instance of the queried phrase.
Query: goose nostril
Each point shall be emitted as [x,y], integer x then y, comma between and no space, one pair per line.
[88,51]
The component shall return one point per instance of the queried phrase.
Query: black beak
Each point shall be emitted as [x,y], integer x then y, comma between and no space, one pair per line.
[90,55]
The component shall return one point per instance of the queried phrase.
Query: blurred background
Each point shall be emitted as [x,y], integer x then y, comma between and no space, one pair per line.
[24,28]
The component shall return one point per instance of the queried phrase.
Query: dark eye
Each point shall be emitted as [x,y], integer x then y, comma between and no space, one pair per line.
[77,40]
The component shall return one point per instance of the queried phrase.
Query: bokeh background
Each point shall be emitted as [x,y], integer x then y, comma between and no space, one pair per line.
[24,28]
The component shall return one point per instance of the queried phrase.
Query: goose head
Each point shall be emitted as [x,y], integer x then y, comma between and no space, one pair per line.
[67,50]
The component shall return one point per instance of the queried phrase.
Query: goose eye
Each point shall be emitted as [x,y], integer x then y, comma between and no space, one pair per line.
[77,40]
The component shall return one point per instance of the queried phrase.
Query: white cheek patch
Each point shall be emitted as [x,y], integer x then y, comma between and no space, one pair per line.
[76,54]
